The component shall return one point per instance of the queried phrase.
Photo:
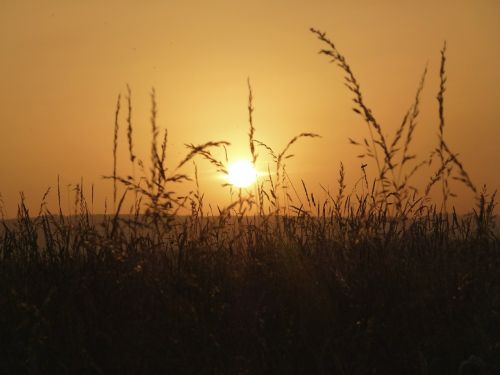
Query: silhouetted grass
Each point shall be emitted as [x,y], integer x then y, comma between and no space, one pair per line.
[375,280]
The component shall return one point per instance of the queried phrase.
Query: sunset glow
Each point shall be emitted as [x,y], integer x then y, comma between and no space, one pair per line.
[250,187]
[67,62]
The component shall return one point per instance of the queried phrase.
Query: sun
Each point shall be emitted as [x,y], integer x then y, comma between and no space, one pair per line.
[241,173]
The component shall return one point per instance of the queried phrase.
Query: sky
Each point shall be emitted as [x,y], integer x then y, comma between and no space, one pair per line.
[63,64]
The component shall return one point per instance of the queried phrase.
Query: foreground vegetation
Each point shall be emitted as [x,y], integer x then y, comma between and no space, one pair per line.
[379,280]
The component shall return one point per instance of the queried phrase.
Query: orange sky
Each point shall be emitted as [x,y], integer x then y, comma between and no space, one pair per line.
[64,62]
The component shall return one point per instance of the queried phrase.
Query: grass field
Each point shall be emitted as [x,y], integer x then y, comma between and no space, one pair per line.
[375,278]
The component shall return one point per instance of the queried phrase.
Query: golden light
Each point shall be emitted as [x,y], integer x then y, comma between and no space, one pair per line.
[241,173]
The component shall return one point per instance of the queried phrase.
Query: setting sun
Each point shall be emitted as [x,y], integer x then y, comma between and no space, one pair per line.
[241,173]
